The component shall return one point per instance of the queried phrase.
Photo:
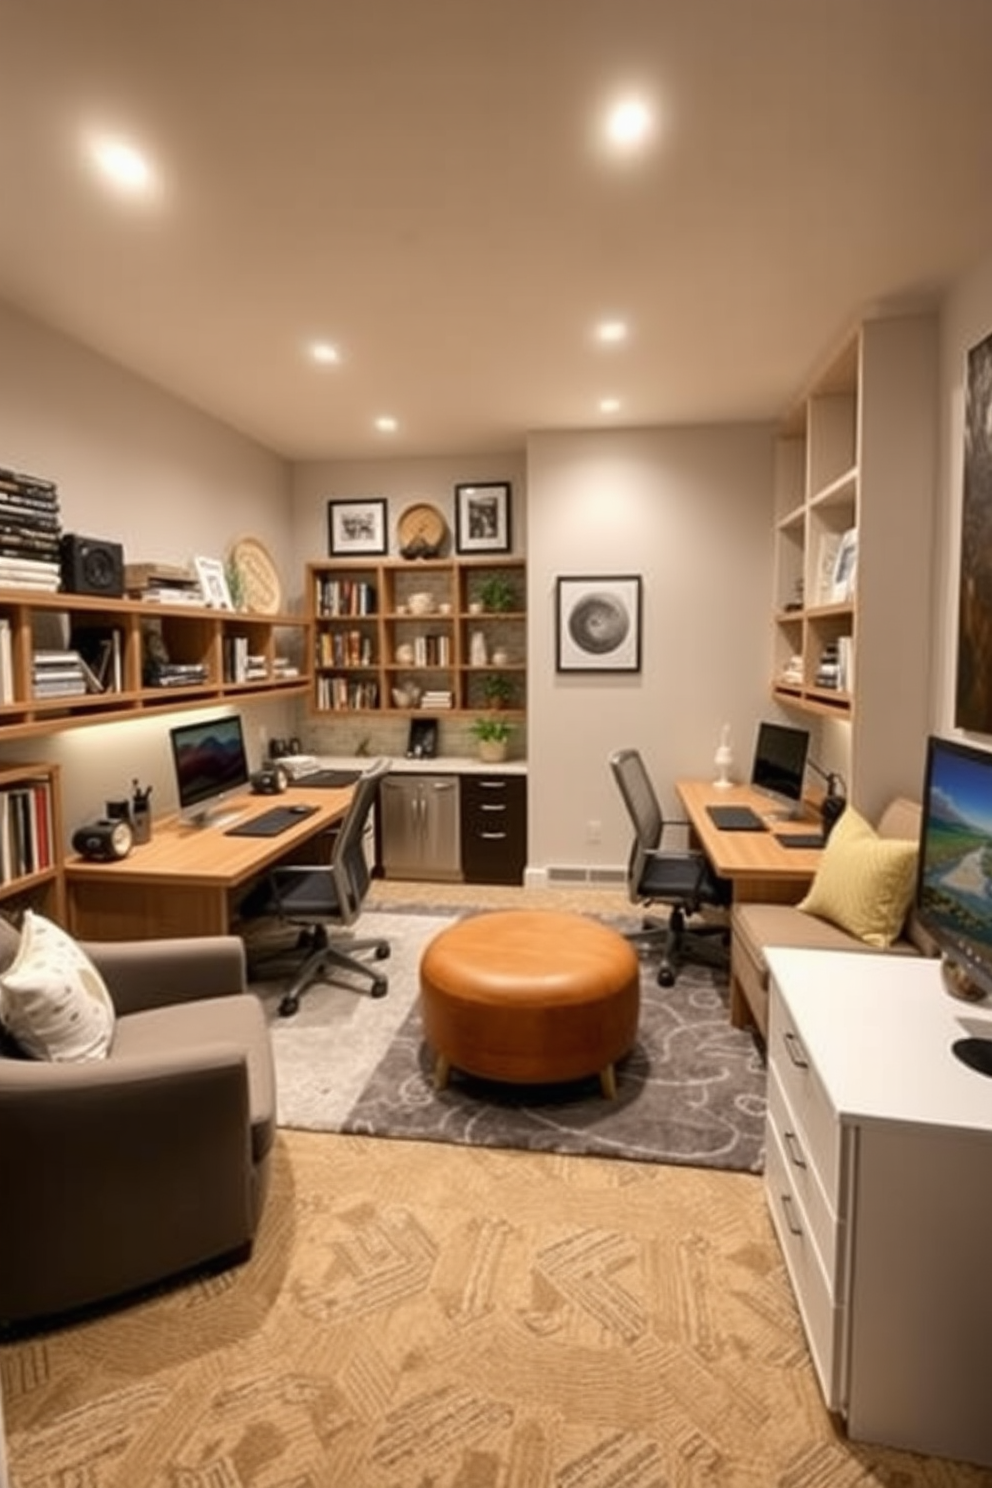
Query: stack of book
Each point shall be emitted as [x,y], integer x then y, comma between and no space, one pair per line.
[436,697]
[30,532]
[162,583]
[175,674]
[60,674]
[284,670]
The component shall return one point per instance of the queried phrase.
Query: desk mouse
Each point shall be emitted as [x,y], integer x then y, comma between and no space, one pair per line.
[299,810]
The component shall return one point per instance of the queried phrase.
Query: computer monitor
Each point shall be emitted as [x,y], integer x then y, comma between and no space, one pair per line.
[954,878]
[210,764]
[779,764]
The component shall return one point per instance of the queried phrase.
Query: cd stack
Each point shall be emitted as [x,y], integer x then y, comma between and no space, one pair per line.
[29,532]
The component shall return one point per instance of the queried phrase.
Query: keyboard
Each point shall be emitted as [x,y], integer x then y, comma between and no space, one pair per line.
[271,823]
[735,819]
[327,779]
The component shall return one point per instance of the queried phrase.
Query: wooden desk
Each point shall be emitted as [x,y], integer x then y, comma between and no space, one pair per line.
[758,866]
[187,880]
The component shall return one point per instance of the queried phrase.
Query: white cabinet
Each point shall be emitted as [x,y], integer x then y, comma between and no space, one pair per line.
[879,1184]
[420,826]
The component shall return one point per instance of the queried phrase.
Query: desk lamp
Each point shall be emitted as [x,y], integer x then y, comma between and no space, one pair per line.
[833,804]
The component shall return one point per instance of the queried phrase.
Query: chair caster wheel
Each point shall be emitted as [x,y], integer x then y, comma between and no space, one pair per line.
[381,952]
[380,987]
[288,1007]
[666,977]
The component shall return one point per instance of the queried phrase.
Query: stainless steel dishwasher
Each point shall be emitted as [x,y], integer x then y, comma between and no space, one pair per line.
[421,826]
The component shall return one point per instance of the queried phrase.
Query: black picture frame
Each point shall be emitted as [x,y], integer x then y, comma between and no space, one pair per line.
[422,739]
[598,623]
[482,516]
[357,528]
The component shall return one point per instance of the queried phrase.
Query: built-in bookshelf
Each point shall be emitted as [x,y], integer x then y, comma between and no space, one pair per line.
[71,659]
[31,840]
[419,636]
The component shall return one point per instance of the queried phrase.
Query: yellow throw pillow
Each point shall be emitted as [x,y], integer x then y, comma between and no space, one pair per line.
[53,1000]
[864,883]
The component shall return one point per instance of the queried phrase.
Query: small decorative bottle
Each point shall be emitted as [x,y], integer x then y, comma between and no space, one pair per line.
[724,758]
[477,649]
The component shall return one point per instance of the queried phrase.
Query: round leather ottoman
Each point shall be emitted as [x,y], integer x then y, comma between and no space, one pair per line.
[528,996]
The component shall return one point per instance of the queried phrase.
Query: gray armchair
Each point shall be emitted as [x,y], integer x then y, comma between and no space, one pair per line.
[120,1172]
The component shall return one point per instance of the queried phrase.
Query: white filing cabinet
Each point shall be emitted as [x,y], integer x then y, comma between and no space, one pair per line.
[879,1182]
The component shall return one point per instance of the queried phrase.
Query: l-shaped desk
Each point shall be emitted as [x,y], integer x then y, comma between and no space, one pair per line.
[187,880]
[756,863]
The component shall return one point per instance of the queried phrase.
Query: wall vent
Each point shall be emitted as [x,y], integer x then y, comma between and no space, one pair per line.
[563,875]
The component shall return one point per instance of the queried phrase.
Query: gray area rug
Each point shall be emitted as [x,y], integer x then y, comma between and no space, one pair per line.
[692,1091]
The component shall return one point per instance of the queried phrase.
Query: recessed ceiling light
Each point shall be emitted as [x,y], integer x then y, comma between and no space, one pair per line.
[609,405]
[325,353]
[386,424]
[629,123]
[122,165]
[611,331]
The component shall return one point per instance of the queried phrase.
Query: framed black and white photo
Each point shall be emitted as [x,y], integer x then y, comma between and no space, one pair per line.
[482,517]
[213,583]
[356,527]
[598,624]
[845,567]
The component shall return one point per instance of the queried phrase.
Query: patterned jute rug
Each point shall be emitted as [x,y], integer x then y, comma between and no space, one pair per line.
[691,1091]
[417,1315]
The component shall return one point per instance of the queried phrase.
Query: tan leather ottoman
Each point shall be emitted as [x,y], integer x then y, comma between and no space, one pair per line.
[529,996]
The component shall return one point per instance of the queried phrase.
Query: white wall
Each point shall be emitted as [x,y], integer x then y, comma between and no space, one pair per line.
[690,511]
[966,319]
[137,466]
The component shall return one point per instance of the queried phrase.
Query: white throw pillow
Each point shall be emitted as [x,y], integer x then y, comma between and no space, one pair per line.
[53,1000]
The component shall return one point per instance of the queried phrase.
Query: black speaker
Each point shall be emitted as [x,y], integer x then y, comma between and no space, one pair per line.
[92,565]
[270,780]
[103,841]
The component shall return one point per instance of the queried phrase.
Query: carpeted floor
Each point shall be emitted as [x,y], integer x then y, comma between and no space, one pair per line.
[691,1091]
[426,1316]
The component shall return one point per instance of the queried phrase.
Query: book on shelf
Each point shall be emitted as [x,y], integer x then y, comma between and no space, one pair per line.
[100,647]
[26,841]
[6,661]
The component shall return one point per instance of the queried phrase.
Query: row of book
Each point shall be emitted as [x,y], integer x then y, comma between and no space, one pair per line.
[30,532]
[344,695]
[344,648]
[242,665]
[26,834]
[345,597]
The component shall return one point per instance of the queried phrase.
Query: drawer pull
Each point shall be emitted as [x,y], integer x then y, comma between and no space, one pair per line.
[499,785]
[795,1050]
[493,836]
[792,1224]
[494,806]
[794,1149]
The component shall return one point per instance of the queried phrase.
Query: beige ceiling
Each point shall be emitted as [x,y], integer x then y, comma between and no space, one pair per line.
[421,182]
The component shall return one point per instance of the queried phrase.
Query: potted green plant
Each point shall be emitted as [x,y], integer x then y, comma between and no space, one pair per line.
[492,734]
[497,690]
[498,593]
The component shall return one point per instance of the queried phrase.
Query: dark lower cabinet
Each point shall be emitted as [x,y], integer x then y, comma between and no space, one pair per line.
[494,828]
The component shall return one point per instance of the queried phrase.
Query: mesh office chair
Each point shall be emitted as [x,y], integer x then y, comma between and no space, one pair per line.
[321,895]
[683,880]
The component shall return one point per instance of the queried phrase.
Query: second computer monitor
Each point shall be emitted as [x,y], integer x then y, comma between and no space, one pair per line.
[779,763]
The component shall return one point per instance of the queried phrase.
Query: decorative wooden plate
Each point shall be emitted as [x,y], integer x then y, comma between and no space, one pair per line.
[422,531]
[260,584]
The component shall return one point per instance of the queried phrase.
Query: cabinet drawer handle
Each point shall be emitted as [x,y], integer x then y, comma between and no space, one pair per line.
[792,1224]
[795,1050]
[794,1149]
[493,836]
[494,806]
[499,785]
